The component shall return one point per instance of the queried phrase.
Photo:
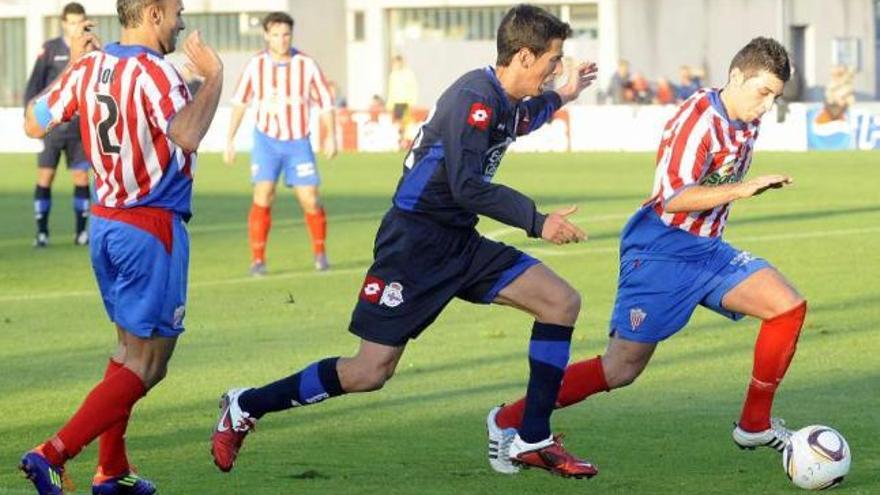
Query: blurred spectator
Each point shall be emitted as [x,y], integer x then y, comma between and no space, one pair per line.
[641,90]
[665,94]
[688,82]
[620,88]
[339,100]
[403,89]
[839,93]
[377,104]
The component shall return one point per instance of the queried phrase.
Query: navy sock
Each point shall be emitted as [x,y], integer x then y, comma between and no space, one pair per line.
[548,356]
[315,383]
[81,206]
[42,205]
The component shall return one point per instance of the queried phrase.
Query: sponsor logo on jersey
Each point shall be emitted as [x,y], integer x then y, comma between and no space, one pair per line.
[636,317]
[479,116]
[725,174]
[372,289]
[492,159]
[392,296]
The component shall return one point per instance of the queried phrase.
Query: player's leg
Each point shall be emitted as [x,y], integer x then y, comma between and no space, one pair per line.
[47,163]
[259,224]
[79,174]
[301,173]
[266,166]
[620,365]
[767,295]
[555,306]
[316,222]
[366,371]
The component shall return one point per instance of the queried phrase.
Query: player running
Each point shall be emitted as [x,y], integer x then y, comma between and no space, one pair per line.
[672,257]
[141,130]
[285,84]
[53,59]
[428,252]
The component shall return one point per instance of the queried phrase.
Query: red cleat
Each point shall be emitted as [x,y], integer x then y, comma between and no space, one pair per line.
[233,426]
[550,455]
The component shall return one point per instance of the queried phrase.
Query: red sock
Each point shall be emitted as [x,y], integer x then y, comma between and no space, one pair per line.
[259,223]
[774,350]
[108,403]
[581,380]
[317,224]
[112,460]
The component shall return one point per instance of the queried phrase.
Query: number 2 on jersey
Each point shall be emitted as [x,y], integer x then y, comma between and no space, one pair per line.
[108,123]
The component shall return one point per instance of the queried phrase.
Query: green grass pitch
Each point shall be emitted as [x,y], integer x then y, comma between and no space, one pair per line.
[424,432]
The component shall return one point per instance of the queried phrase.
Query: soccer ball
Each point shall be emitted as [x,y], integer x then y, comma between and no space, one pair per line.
[817,457]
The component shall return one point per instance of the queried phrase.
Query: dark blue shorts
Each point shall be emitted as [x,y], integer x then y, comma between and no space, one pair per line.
[141,257]
[419,266]
[65,138]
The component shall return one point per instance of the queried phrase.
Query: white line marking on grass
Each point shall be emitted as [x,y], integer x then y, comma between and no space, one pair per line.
[544,252]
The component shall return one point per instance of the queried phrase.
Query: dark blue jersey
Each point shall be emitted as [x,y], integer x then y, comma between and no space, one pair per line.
[51,62]
[447,174]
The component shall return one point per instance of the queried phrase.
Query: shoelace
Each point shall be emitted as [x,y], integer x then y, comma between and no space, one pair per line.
[777,425]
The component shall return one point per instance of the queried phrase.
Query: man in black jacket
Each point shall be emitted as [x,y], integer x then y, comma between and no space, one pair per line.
[53,59]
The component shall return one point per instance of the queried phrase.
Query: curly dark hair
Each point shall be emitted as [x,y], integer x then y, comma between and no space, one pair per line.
[763,54]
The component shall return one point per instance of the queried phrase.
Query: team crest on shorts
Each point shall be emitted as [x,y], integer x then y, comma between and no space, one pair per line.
[742,259]
[177,319]
[636,317]
[392,296]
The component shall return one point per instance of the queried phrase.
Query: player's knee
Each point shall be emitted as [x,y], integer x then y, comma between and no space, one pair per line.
[621,373]
[376,378]
[567,306]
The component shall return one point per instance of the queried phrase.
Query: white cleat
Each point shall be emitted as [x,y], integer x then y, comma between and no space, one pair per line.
[499,444]
[776,437]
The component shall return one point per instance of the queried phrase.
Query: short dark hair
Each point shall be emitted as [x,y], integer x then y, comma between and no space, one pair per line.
[129,11]
[73,8]
[277,18]
[527,26]
[763,54]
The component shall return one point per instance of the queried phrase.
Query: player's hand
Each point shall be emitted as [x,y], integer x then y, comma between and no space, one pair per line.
[329,147]
[558,230]
[204,61]
[758,185]
[580,77]
[85,42]
[229,153]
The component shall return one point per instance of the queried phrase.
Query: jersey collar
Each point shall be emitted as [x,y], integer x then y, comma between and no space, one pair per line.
[493,78]
[124,51]
[718,105]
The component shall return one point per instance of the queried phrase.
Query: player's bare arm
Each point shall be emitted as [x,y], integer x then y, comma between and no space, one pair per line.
[190,124]
[80,45]
[234,123]
[328,120]
[701,198]
[580,77]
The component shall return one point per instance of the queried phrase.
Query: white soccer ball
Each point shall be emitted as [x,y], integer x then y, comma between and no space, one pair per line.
[817,457]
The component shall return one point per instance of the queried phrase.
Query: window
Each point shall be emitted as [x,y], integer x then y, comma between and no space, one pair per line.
[359,26]
[223,31]
[456,23]
[14,69]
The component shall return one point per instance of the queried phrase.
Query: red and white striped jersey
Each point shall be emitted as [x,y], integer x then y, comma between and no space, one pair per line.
[284,93]
[127,96]
[701,145]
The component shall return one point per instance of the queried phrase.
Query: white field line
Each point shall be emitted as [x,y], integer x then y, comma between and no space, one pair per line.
[544,252]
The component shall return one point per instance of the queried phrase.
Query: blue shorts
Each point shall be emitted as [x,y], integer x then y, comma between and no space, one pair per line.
[295,158]
[141,269]
[658,292]
[419,267]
